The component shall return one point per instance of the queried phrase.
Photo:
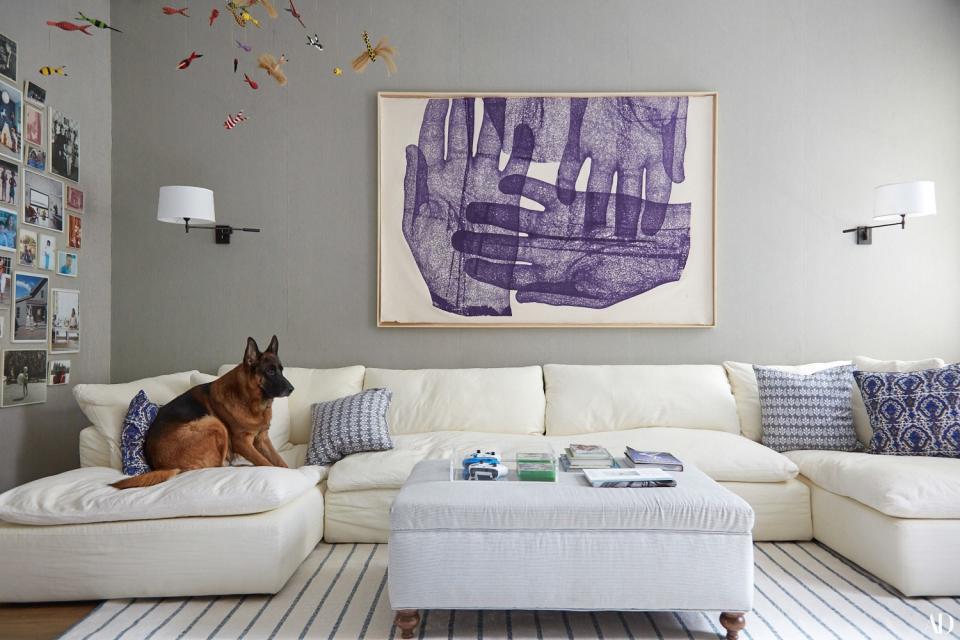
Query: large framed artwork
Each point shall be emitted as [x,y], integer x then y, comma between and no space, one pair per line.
[543,210]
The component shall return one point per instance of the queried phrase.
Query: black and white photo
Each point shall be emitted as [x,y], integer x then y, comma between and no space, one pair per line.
[64,146]
[35,94]
[24,377]
[8,58]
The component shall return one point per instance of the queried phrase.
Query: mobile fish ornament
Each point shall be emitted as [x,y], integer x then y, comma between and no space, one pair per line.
[314,41]
[186,61]
[292,10]
[171,11]
[272,65]
[233,120]
[382,50]
[53,71]
[99,24]
[70,26]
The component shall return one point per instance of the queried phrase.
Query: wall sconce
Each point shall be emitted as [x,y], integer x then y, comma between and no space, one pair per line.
[900,200]
[183,205]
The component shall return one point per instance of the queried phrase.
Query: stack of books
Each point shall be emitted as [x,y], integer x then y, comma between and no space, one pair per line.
[629,478]
[587,456]
[652,460]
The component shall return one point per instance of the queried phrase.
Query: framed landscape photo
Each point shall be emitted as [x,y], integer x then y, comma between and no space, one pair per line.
[8,231]
[8,58]
[59,373]
[11,122]
[6,282]
[64,154]
[74,231]
[75,198]
[30,309]
[10,185]
[24,377]
[68,263]
[35,94]
[547,210]
[43,201]
[65,321]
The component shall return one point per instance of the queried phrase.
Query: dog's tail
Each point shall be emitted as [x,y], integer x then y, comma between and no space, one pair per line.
[146,479]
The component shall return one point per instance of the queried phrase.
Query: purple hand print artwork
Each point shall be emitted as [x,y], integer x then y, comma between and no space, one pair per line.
[547,210]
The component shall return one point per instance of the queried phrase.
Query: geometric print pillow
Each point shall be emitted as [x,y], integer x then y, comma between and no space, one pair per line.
[353,424]
[807,411]
[913,414]
[140,415]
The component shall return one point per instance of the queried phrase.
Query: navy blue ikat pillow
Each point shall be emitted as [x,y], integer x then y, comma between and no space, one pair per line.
[140,415]
[913,413]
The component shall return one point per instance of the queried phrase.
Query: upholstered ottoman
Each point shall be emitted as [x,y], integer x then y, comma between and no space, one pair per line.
[568,546]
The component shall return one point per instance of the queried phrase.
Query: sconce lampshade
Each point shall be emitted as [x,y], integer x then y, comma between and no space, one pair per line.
[178,204]
[905,199]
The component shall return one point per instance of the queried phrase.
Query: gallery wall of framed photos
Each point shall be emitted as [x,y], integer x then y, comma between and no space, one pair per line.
[42,212]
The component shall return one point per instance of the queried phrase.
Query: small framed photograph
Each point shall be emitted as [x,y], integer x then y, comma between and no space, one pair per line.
[43,201]
[69,264]
[74,224]
[6,282]
[11,122]
[24,377]
[8,231]
[27,248]
[65,321]
[9,185]
[35,94]
[47,252]
[3,319]
[64,145]
[30,308]
[75,199]
[8,58]
[36,157]
[33,125]
[59,373]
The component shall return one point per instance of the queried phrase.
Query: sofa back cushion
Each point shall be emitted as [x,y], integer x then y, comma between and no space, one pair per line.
[310,386]
[587,399]
[105,405]
[508,400]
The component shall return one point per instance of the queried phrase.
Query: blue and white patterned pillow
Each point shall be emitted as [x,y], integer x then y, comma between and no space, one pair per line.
[353,424]
[913,413]
[810,411]
[140,415]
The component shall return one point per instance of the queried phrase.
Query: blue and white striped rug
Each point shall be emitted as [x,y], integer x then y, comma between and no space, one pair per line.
[804,591]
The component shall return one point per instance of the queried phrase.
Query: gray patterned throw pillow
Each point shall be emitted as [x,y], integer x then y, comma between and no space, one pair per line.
[353,424]
[807,411]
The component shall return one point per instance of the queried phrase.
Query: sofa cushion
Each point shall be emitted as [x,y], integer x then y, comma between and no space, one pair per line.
[105,405]
[508,400]
[345,426]
[743,381]
[136,424]
[807,411]
[85,495]
[861,422]
[899,486]
[279,421]
[725,457]
[589,399]
[311,386]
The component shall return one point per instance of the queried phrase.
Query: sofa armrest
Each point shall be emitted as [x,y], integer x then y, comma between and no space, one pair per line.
[97,451]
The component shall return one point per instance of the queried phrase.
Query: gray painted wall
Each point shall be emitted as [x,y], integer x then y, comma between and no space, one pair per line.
[40,440]
[819,102]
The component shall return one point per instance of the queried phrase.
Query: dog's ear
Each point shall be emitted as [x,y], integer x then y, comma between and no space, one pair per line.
[273,346]
[252,353]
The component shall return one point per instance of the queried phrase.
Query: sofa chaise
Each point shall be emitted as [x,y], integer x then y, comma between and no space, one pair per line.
[852,502]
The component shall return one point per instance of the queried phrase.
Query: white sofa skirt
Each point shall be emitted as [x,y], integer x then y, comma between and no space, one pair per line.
[159,558]
[782,512]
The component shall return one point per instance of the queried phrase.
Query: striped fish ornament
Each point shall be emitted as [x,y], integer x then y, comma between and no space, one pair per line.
[233,120]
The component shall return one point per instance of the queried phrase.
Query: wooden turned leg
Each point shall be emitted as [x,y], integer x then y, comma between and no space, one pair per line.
[407,620]
[733,623]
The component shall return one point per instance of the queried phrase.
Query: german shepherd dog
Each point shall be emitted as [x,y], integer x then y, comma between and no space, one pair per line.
[211,423]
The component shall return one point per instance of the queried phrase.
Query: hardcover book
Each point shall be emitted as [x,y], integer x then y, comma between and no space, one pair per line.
[655,459]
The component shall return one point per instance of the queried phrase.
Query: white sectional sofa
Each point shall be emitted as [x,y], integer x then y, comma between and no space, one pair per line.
[884,513]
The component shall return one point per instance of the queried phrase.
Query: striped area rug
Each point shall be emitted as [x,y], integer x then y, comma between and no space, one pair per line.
[803,590]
